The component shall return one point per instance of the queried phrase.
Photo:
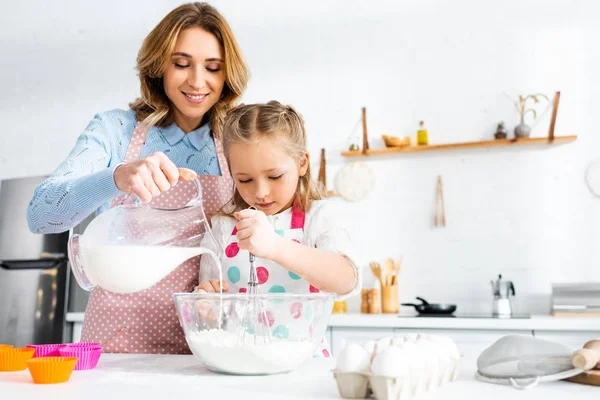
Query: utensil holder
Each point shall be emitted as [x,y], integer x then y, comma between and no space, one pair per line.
[390,302]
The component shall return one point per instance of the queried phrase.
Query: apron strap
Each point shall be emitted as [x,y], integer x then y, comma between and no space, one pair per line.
[221,158]
[134,149]
[297,216]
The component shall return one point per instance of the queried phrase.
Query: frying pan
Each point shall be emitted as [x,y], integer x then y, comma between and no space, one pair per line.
[427,308]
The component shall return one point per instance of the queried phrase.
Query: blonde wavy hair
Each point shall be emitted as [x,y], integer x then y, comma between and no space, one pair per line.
[153,106]
[280,124]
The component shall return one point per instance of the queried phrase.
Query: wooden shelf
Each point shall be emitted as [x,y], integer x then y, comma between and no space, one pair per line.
[464,145]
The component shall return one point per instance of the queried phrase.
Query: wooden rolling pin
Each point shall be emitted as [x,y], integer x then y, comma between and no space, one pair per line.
[588,357]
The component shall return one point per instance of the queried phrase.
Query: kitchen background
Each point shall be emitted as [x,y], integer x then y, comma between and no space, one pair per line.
[524,212]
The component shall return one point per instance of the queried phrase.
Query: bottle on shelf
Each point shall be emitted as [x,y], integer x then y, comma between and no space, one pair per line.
[422,139]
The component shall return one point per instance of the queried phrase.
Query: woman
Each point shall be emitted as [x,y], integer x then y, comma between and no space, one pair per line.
[191,73]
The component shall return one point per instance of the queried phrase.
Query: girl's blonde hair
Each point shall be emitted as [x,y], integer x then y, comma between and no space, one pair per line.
[153,106]
[278,123]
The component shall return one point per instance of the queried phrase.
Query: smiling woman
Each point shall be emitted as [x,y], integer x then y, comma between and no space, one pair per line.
[194,79]
[191,73]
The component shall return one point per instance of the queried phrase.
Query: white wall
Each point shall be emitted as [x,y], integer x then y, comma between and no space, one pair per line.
[522,212]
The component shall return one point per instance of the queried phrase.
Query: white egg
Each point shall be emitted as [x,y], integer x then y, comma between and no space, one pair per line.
[397,341]
[392,362]
[448,344]
[410,345]
[416,361]
[353,358]
[427,352]
[442,351]
[383,344]
[411,337]
[369,346]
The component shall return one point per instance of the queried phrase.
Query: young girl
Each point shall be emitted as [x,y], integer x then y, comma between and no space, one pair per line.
[298,244]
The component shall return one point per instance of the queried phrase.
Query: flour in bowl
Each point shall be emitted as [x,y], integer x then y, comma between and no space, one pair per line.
[219,350]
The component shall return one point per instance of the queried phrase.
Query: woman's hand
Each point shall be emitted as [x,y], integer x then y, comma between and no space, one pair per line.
[256,234]
[211,286]
[150,176]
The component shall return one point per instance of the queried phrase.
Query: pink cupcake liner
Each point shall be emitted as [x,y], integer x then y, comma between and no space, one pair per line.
[88,356]
[46,350]
[84,344]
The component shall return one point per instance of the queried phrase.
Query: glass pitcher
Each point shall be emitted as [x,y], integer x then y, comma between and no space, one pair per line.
[133,246]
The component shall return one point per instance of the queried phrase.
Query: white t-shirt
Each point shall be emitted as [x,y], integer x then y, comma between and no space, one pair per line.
[322,230]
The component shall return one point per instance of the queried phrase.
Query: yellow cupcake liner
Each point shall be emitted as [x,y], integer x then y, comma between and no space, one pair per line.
[51,369]
[5,346]
[12,359]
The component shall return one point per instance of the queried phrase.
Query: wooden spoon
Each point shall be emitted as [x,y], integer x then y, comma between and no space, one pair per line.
[389,271]
[376,268]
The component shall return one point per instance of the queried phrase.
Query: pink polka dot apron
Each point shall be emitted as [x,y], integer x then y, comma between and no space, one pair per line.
[146,321]
[273,278]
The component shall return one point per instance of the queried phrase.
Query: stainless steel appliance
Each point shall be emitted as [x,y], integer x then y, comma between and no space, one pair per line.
[502,290]
[576,299]
[33,272]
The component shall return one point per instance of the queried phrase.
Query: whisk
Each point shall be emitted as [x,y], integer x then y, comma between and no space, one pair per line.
[254,318]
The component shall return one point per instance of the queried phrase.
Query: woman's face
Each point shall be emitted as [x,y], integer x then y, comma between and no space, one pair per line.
[194,77]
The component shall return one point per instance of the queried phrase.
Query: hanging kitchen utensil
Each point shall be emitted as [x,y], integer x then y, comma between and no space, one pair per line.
[355,181]
[427,308]
[592,177]
[440,213]
[322,177]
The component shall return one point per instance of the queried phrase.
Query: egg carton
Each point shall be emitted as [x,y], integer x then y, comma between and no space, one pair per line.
[361,385]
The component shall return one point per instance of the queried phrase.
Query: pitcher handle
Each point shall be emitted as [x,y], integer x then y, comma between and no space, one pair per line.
[76,265]
[198,198]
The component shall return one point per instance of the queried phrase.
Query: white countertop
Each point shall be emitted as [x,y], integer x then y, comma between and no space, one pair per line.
[120,376]
[535,322]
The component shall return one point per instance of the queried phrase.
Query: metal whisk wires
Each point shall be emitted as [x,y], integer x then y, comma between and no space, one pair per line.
[255,321]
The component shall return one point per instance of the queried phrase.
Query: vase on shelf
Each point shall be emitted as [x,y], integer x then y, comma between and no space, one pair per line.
[522,130]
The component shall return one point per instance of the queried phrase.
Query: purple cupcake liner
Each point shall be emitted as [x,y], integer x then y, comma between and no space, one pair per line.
[46,350]
[87,356]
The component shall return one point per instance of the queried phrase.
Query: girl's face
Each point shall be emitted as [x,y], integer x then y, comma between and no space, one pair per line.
[265,175]
[194,78]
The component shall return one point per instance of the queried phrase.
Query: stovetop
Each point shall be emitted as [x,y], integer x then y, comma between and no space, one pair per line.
[459,315]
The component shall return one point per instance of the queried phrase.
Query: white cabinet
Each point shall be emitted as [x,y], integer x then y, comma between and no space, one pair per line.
[76,332]
[342,336]
[470,342]
[575,339]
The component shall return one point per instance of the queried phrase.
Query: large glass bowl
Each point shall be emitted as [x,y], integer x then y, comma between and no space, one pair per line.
[228,334]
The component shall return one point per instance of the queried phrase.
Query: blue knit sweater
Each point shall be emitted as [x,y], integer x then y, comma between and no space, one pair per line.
[84,183]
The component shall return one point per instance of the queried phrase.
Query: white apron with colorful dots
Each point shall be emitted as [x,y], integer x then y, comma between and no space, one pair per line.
[273,278]
[146,321]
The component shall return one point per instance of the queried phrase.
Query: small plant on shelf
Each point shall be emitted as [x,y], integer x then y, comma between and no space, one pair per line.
[523,130]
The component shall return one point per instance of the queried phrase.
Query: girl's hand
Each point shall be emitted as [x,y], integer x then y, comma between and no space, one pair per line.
[150,176]
[256,234]
[211,287]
